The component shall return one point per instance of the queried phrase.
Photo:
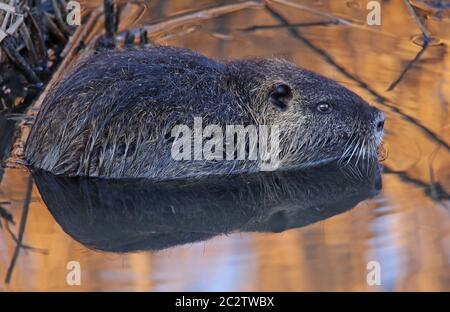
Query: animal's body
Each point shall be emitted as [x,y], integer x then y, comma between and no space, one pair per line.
[113,115]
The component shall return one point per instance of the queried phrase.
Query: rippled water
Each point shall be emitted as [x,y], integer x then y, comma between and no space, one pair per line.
[324,238]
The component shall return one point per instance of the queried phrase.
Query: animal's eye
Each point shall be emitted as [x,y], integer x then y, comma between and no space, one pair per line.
[324,107]
[281,96]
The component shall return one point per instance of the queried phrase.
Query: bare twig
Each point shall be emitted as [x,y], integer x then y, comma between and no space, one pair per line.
[143,37]
[69,53]
[7,8]
[344,21]
[408,66]
[59,17]
[29,43]
[161,27]
[423,29]
[293,25]
[129,39]
[18,60]
[313,11]
[37,35]
[53,28]
[110,23]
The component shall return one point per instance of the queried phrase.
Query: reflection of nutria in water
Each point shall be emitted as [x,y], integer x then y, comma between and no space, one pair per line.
[128,215]
[112,116]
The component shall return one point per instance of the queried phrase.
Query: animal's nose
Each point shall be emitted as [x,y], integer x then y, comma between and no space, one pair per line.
[379,121]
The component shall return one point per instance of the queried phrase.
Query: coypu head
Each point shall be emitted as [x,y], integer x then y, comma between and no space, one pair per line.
[319,120]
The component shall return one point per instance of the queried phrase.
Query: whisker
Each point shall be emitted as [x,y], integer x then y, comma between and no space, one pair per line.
[354,150]
[360,150]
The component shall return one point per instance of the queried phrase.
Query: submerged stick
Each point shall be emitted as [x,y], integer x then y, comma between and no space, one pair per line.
[6,215]
[23,222]
[26,247]
[434,190]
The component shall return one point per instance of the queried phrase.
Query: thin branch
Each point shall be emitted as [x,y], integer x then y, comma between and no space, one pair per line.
[59,18]
[37,35]
[53,28]
[70,52]
[7,7]
[143,37]
[423,29]
[345,21]
[29,43]
[408,66]
[77,39]
[426,40]
[294,25]
[204,14]
[129,39]
[18,60]
[313,11]
[110,24]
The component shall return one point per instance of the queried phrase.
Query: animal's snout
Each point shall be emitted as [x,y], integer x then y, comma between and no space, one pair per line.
[374,118]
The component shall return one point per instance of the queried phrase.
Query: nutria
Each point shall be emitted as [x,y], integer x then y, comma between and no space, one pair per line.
[114,114]
[128,214]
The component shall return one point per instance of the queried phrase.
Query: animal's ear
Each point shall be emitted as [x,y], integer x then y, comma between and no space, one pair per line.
[281,96]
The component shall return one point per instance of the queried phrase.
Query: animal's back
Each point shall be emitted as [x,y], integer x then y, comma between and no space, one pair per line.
[112,115]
